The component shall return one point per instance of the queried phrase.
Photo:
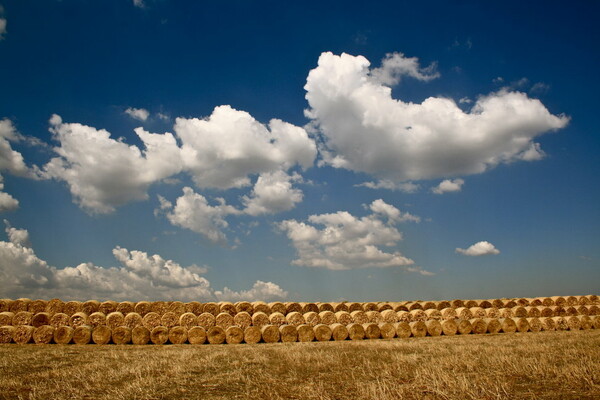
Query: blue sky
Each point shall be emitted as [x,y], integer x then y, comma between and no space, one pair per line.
[314,152]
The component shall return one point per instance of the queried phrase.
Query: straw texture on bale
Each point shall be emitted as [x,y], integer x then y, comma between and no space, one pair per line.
[536,302]
[571,310]
[270,333]
[22,318]
[484,304]
[449,327]
[19,305]
[194,307]
[433,313]
[400,307]
[23,334]
[582,300]
[107,307]
[125,307]
[354,307]
[586,322]
[43,334]
[63,334]
[457,303]
[464,313]
[101,334]
[547,301]
[339,332]
[519,312]
[508,325]
[389,316]
[464,326]
[242,319]
[559,301]
[206,320]
[260,306]
[418,328]
[6,318]
[5,305]
[305,333]
[276,318]
[325,307]
[506,312]
[470,303]
[196,335]
[6,334]
[143,307]
[573,323]
[414,306]
[417,315]
[78,319]
[492,312]
[582,310]
[434,327]
[252,334]
[234,335]
[227,307]
[159,307]
[343,317]
[356,331]
[558,311]
[140,335]
[387,330]
[211,308]
[322,333]
[132,320]
[593,299]
[548,323]
[169,319]
[114,319]
[312,318]
[403,329]
[510,303]
[546,311]
[374,317]
[596,321]
[533,312]
[593,310]
[177,307]
[448,313]
[290,307]
[522,302]
[279,307]
[40,319]
[178,335]
[96,319]
[571,300]
[309,307]
[478,312]
[493,325]
[372,330]
[260,319]
[82,334]
[560,323]
[522,324]
[54,306]
[403,316]
[440,305]
[535,325]
[121,335]
[224,320]
[216,335]
[37,306]
[288,333]
[159,335]
[295,318]
[59,319]
[478,326]
[244,306]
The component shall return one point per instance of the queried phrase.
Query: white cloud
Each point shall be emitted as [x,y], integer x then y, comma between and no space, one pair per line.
[139,277]
[539,88]
[11,160]
[2,28]
[272,193]
[465,100]
[395,65]
[448,185]
[17,236]
[139,3]
[141,114]
[348,242]
[406,187]
[7,202]
[364,129]
[479,249]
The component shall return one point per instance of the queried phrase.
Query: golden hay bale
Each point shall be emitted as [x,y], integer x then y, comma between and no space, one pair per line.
[242,319]
[417,315]
[596,321]
[327,317]
[389,316]
[570,310]
[548,323]
[343,317]
[498,303]
[585,322]
[82,334]
[519,312]
[355,307]
[72,307]
[339,332]
[449,313]
[403,329]
[312,318]
[244,306]
[78,319]
[169,319]
[484,303]
[91,306]
[159,335]
[151,320]
[276,318]
[478,325]
[43,334]
[522,324]
[381,307]
[492,312]
[63,334]
[260,319]
[305,333]
[403,316]
[322,333]
[457,303]
[559,301]
[5,305]
[295,318]
[427,305]
[535,302]
[260,306]
[106,307]
[277,306]
[400,307]
[195,307]
[143,307]
[506,313]
[96,319]
[37,306]
[374,317]
[560,323]
[359,317]
[413,306]
[593,310]
[535,325]
[270,333]
[449,327]
[547,302]
[115,319]
[177,307]
[478,312]
[6,334]
[387,330]
[40,319]
[125,307]
[508,325]
[571,300]
[464,326]
[19,305]
[434,327]
[132,320]
[101,334]
[510,303]
[470,303]
[356,331]
[227,307]
[22,318]
[370,306]
[545,311]
[592,298]
[187,320]
[440,305]
[178,335]
[252,334]
[433,314]
[23,334]
[372,330]
[234,335]
[206,320]
[533,312]
[464,313]
[418,328]
[6,318]
[54,306]
[573,323]
[290,306]
[224,320]
[582,310]
[522,302]
[59,319]
[325,307]
[216,335]
[558,311]
[340,307]
[288,333]
[140,335]
[196,335]
[159,307]
[309,307]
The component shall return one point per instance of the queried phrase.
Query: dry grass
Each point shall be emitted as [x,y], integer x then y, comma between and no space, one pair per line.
[546,365]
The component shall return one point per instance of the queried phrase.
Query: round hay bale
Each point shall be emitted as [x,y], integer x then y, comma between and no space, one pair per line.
[252,334]
[596,321]
[464,313]
[571,300]
[370,306]
[585,322]
[159,335]
[325,307]
[449,327]
[593,299]
[23,334]
[305,333]
[403,329]
[312,318]
[101,334]
[290,306]
[533,312]
[132,320]
[177,307]
[339,332]
[356,331]
[19,305]
[417,315]
[276,318]
[545,311]
[260,306]
[449,313]
[260,319]
[143,308]
[327,317]
[522,324]
[242,319]
[295,318]
[374,317]
[234,335]
[498,303]
[196,335]
[559,311]
[194,307]
[582,310]
[178,335]
[227,307]
[478,325]
[464,326]
[428,305]
[522,302]
[593,310]
[403,316]
[6,318]
[151,320]
[244,306]
[457,303]
[224,320]
[434,327]
[470,303]
[506,313]
[440,305]
[59,319]
[560,323]
[413,306]
[106,307]
[288,333]
[519,312]
[159,307]
[400,307]
[355,307]
[359,317]
[433,314]
[548,324]
[309,307]
[37,306]
[492,312]
[559,301]
[372,330]
[478,312]
[82,334]
[535,325]
[343,318]
[322,333]
[510,303]
[140,335]
[389,316]
[570,311]
[339,307]
[115,319]
[270,333]
[5,305]
[22,318]
[96,319]
[418,328]
[6,334]
[78,319]
[484,303]
[43,334]
[125,307]
[547,302]
[381,307]
[573,323]
[508,325]
[188,320]
[216,335]
[279,307]
[206,320]
[40,319]
[63,334]
[72,307]
[387,330]
[91,306]
[535,302]
[169,319]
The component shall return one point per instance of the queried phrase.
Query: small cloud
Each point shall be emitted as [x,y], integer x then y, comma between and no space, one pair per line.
[479,249]
[406,187]
[139,3]
[140,114]
[448,186]
[498,80]
[465,100]
[2,28]
[539,88]
[419,270]
[163,116]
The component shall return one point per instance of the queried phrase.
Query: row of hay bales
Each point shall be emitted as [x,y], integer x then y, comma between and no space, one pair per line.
[102,334]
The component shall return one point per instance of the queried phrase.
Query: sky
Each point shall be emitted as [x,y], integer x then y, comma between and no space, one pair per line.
[301,151]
